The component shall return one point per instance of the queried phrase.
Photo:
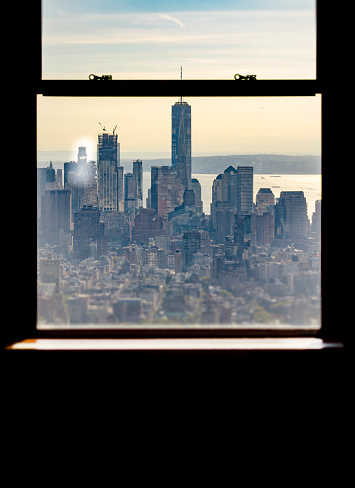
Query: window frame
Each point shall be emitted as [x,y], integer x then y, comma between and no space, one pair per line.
[329,330]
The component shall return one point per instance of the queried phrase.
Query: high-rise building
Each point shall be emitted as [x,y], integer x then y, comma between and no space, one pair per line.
[55,214]
[223,222]
[191,243]
[90,184]
[108,148]
[138,174]
[178,261]
[166,190]
[120,180]
[108,160]
[82,157]
[50,173]
[195,185]
[181,141]
[217,194]
[82,173]
[71,182]
[129,193]
[291,215]
[89,233]
[262,228]
[264,198]
[317,220]
[242,233]
[230,187]
[232,193]
[49,269]
[245,189]
[146,224]
[81,179]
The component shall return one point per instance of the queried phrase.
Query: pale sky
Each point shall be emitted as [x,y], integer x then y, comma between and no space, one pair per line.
[211,39]
[219,125]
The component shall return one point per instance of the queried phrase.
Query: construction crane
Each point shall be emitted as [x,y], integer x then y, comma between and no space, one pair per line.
[114,129]
[103,128]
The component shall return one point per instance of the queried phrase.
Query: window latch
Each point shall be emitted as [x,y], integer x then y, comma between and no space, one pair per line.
[247,77]
[100,78]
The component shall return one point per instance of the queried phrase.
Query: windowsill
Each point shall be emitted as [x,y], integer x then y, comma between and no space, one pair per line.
[178,344]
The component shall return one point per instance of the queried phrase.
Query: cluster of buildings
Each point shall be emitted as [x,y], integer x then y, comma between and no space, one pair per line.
[104,258]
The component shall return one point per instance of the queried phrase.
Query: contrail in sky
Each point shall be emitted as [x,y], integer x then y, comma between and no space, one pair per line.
[169,17]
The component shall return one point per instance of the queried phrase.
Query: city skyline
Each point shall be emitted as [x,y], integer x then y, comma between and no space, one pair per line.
[219,125]
[106,255]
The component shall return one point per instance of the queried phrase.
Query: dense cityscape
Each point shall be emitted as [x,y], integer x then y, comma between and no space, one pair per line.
[105,257]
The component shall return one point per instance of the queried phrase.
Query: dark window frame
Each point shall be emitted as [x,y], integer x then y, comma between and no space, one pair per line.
[330,330]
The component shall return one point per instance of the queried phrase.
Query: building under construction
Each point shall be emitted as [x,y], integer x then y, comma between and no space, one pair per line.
[110,178]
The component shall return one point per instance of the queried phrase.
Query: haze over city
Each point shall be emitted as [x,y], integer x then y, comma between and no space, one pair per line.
[108,254]
[220,125]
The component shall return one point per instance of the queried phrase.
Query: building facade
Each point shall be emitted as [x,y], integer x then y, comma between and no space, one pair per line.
[89,234]
[108,160]
[291,215]
[191,243]
[138,174]
[166,190]
[130,194]
[264,198]
[181,141]
[245,189]
[55,214]
[195,185]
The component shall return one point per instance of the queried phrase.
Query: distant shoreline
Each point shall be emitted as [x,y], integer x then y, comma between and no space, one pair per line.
[262,163]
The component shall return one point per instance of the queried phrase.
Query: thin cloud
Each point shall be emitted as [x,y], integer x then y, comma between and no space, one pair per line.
[173,19]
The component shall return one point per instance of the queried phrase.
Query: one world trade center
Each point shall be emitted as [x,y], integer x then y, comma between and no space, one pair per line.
[181,141]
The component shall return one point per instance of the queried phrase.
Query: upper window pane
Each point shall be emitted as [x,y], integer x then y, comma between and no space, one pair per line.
[213,39]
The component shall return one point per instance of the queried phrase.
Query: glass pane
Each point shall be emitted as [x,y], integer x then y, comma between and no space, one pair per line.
[213,39]
[173,211]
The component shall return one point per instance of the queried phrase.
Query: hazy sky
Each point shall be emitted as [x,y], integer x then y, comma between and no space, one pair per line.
[151,39]
[212,39]
[223,125]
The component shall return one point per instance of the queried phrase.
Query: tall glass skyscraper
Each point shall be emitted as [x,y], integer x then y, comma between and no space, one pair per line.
[108,161]
[245,189]
[138,174]
[181,141]
[291,218]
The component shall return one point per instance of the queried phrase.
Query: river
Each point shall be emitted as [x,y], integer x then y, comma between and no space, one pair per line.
[311,185]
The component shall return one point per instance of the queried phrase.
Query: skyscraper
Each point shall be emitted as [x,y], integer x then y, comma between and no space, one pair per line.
[89,233]
[316,220]
[230,187]
[146,225]
[264,198]
[90,184]
[195,184]
[191,243]
[181,141]
[138,174]
[291,215]
[82,157]
[130,194]
[166,190]
[245,189]
[71,182]
[55,214]
[108,160]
